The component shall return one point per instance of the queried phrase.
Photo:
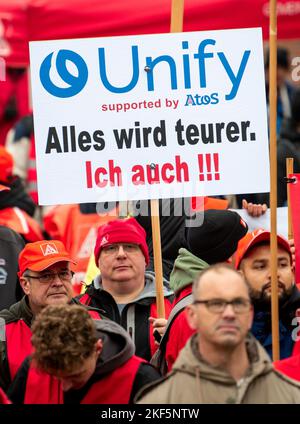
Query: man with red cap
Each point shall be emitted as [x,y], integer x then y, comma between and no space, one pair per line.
[46,279]
[124,290]
[16,207]
[253,258]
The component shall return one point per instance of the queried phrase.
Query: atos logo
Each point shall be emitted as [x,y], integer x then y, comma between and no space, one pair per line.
[70,84]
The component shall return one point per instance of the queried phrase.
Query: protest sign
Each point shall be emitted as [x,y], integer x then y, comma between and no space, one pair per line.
[147,117]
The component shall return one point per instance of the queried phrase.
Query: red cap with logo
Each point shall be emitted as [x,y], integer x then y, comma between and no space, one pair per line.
[121,231]
[253,238]
[41,254]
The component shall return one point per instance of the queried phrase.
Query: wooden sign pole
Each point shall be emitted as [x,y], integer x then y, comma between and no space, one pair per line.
[160,304]
[176,26]
[273,171]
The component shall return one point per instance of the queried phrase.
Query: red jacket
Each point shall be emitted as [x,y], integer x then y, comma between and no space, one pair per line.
[3,398]
[17,346]
[19,221]
[179,326]
[113,388]
[117,377]
[289,366]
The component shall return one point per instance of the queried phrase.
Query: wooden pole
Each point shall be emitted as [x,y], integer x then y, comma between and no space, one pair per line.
[289,170]
[273,172]
[177,16]
[176,26]
[157,258]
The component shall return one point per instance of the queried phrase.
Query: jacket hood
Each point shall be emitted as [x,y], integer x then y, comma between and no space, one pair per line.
[190,362]
[17,197]
[117,347]
[186,268]
[149,288]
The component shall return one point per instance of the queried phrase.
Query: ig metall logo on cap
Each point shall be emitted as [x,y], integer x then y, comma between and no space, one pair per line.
[48,249]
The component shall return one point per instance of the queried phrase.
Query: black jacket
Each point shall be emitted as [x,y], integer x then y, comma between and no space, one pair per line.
[17,197]
[11,244]
[134,315]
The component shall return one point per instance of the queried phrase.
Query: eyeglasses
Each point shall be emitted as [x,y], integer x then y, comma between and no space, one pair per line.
[217,306]
[113,249]
[49,278]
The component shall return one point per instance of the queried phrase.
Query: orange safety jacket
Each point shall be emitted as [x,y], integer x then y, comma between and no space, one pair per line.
[31,172]
[19,221]
[77,231]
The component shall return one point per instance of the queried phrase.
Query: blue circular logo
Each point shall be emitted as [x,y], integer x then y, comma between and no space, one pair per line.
[76,83]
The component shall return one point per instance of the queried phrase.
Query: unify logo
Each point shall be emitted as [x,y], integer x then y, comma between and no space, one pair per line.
[70,84]
[48,249]
[194,67]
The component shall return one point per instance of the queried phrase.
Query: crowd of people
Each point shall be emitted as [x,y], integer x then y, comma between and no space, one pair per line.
[108,344]
[79,320]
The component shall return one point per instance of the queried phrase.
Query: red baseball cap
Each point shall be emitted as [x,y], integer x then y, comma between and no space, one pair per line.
[41,254]
[121,231]
[251,239]
[6,165]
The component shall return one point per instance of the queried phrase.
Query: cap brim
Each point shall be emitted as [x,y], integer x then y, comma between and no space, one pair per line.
[4,188]
[44,264]
[266,236]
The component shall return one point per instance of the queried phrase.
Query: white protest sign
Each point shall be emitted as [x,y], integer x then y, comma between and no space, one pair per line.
[152,116]
[263,221]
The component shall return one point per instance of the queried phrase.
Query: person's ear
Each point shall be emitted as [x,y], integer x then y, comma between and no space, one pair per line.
[241,272]
[99,346]
[24,283]
[191,316]
[251,317]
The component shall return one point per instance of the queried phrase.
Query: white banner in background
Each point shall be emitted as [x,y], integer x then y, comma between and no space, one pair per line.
[264,220]
[152,116]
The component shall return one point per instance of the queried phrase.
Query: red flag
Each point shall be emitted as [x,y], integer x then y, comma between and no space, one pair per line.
[294,188]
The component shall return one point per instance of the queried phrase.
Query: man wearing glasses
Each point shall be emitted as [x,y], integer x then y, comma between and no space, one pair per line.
[222,362]
[125,291]
[46,279]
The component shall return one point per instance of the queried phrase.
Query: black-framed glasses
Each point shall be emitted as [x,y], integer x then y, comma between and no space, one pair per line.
[66,275]
[240,305]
